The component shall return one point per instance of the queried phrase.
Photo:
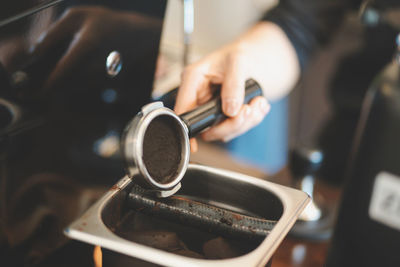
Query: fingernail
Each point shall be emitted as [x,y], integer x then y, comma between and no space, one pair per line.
[264,106]
[230,107]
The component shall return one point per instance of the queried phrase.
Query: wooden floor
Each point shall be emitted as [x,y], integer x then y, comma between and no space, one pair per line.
[295,253]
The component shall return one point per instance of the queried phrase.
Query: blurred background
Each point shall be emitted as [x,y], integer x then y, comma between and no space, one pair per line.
[73,73]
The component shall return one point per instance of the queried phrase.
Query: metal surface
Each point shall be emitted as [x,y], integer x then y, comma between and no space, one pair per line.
[133,148]
[304,163]
[9,113]
[188,26]
[316,221]
[313,212]
[114,63]
[225,189]
[209,217]
[397,56]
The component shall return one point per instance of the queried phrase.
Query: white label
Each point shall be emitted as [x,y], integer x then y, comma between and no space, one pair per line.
[385,200]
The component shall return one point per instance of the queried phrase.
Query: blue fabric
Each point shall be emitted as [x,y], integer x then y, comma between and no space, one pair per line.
[266,145]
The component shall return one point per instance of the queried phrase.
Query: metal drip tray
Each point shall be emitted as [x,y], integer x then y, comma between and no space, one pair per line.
[112,224]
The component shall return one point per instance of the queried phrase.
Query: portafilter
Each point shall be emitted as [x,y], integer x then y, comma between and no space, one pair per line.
[155,143]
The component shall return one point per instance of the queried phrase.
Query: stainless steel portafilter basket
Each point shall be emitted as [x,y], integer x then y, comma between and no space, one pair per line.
[133,148]
[156,141]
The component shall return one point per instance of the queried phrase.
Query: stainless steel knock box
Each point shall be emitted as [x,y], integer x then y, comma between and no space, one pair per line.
[225,189]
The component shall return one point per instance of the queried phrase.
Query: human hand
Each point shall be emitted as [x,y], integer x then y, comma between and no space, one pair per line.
[263,53]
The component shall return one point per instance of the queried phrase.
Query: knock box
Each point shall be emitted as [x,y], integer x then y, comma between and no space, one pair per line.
[112,224]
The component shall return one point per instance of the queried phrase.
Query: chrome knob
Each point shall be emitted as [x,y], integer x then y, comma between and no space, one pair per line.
[398,49]
[113,64]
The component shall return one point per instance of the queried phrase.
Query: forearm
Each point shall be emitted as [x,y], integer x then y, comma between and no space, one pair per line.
[275,64]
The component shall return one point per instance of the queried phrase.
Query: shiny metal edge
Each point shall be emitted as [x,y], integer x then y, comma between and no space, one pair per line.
[30,11]
[133,145]
[90,228]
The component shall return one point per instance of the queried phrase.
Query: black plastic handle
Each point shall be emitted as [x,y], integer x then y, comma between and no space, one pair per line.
[211,113]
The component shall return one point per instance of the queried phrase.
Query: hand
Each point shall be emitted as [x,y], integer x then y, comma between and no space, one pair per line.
[265,54]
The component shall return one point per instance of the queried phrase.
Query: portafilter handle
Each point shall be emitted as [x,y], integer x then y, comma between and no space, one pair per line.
[211,113]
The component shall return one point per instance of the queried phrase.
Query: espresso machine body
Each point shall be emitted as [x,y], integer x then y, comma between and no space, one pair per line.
[367,232]
[72,74]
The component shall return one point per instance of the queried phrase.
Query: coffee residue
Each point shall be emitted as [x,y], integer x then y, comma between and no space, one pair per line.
[162,148]
[181,239]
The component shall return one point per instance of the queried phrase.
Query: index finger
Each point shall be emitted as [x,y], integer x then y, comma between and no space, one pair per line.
[193,79]
[232,91]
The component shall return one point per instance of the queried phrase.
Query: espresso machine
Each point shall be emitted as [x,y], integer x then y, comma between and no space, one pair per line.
[366,229]
[73,73]
[367,232]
